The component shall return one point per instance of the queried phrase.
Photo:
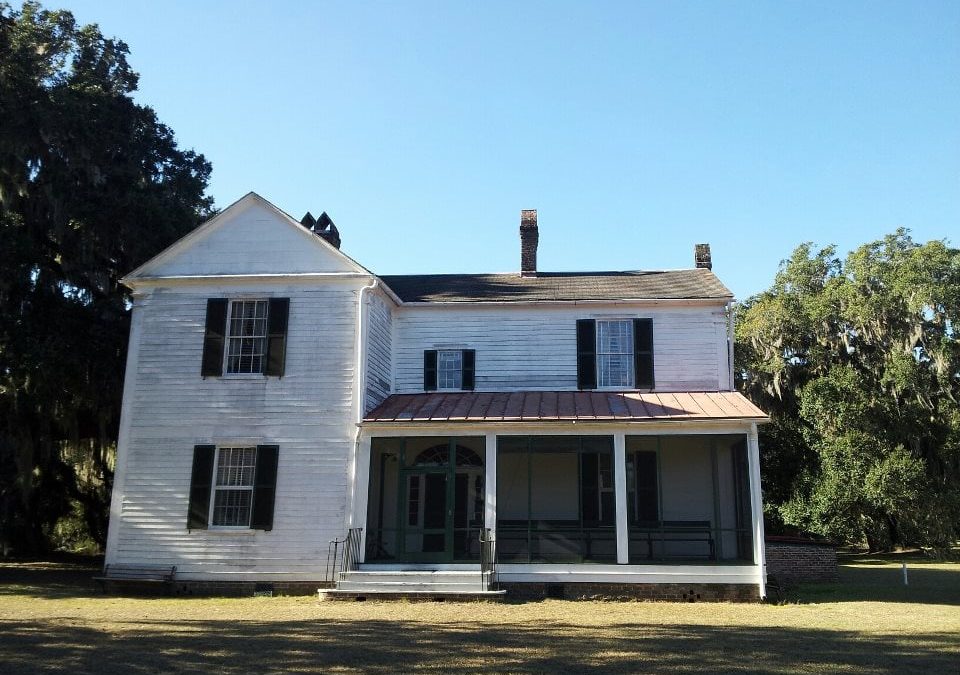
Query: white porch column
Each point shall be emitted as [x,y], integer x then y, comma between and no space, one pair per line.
[620,490]
[490,481]
[756,509]
[361,488]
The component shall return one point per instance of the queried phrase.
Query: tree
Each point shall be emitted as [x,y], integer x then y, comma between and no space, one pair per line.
[91,185]
[859,363]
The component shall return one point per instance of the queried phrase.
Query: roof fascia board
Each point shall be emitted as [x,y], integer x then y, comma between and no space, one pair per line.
[720,301]
[701,426]
[307,277]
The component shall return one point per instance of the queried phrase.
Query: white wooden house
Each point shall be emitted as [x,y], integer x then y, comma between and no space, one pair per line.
[278,395]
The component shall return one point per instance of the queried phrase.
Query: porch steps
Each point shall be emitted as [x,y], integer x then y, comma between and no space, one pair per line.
[411,585]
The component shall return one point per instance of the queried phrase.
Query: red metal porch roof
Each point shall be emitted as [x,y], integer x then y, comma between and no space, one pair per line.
[560,406]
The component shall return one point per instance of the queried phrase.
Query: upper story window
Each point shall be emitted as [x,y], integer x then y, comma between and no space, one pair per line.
[449,369]
[615,353]
[245,336]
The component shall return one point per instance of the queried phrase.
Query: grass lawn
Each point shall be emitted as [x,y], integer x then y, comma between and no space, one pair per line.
[52,619]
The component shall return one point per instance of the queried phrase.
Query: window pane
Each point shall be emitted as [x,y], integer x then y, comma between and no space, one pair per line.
[235,467]
[231,508]
[449,369]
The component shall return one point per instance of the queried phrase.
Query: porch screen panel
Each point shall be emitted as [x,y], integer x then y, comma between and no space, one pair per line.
[555,499]
[685,498]
[383,512]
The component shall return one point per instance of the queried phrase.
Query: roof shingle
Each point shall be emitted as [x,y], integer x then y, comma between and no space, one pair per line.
[559,286]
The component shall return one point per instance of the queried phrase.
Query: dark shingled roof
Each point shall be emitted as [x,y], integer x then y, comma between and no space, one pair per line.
[553,286]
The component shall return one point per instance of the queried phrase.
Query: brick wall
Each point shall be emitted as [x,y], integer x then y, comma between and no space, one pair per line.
[663,592]
[794,561]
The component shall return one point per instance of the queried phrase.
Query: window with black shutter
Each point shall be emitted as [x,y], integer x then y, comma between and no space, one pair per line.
[245,336]
[615,354]
[233,487]
[449,369]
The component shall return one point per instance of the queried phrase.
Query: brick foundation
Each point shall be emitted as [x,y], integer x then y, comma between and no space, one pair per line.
[794,561]
[233,589]
[661,592]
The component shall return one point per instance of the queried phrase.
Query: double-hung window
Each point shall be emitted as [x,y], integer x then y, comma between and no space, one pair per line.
[233,487]
[615,353]
[245,336]
[449,369]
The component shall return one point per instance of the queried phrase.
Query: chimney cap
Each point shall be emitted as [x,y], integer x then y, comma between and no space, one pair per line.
[528,218]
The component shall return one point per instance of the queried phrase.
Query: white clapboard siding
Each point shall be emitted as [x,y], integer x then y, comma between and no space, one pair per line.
[379,351]
[250,237]
[307,413]
[535,348]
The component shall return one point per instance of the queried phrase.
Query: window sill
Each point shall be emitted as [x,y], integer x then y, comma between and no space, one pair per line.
[242,531]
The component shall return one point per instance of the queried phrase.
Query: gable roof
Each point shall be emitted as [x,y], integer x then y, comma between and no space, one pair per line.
[559,286]
[208,228]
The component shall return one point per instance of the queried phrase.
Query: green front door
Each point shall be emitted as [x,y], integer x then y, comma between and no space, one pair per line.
[440,500]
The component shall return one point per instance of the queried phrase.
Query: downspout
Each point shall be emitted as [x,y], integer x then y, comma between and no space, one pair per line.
[731,308]
[361,385]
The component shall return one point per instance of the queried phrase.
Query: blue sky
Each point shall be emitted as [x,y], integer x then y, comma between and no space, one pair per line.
[636,129]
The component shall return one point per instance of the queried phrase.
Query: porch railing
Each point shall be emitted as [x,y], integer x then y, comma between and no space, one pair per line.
[343,555]
[488,559]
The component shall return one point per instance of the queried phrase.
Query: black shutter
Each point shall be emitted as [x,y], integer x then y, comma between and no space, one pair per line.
[468,368]
[201,481]
[429,369]
[586,354]
[277,314]
[213,338]
[643,353]
[264,487]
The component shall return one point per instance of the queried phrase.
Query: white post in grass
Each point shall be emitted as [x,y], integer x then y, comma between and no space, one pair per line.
[905,581]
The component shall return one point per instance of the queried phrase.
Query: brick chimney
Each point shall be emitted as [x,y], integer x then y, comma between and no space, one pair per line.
[529,237]
[323,227]
[701,256]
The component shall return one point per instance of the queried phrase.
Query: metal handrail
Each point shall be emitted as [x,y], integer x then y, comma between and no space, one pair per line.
[488,559]
[343,555]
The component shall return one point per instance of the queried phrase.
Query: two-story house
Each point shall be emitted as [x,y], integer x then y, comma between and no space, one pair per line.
[279,395]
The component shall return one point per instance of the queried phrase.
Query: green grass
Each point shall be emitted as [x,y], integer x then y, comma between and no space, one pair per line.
[52,619]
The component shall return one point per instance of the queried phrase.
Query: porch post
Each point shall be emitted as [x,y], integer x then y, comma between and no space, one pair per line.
[620,491]
[756,509]
[361,487]
[490,482]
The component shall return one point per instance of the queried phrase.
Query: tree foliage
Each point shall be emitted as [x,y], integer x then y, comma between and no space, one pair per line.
[858,361]
[91,185]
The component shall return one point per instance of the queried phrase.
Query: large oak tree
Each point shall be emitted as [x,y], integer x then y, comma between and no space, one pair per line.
[91,185]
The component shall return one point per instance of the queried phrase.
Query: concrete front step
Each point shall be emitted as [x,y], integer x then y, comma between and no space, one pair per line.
[413,576]
[406,586]
[395,594]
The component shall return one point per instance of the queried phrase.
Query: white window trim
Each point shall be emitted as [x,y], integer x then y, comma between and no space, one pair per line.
[214,488]
[224,369]
[447,389]
[632,384]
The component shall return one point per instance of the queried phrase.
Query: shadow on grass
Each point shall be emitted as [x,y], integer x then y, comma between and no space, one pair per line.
[398,646]
[50,579]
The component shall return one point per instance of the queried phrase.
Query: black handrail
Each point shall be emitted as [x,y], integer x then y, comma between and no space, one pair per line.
[343,555]
[488,559]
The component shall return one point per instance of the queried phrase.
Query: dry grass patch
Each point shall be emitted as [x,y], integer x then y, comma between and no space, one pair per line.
[52,619]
